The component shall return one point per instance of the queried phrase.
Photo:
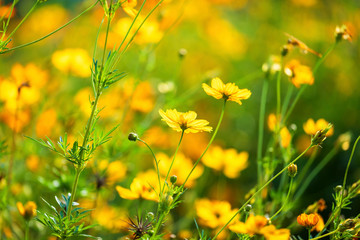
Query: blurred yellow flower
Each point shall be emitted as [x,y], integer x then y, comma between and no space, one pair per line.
[32,163]
[311,127]
[272,121]
[181,168]
[28,210]
[113,172]
[144,186]
[259,225]
[227,91]
[45,123]
[213,213]
[129,7]
[285,137]
[186,122]
[227,160]
[74,61]
[299,74]
[143,98]
[14,121]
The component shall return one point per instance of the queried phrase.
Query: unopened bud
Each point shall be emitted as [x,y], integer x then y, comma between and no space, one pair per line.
[320,136]
[347,224]
[338,188]
[248,208]
[292,170]
[284,50]
[150,216]
[173,179]
[182,53]
[133,136]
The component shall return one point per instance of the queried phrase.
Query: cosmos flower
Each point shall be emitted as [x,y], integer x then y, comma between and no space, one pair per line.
[186,122]
[227,91]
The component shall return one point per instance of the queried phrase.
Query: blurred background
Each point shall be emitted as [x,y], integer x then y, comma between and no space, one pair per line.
[184,44]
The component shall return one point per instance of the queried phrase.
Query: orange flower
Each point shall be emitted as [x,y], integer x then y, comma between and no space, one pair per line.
[186,122]
[227,91]
[308,221]
[320,224]
[28,211]
[299,74]
[311,127]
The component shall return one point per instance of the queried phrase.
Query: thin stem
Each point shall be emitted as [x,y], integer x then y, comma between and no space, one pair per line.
[173,160]
[303,87]
[338,208]
[210,142]
[73,191]
[309,233]
[315,172]
[278,93]
[26,230]
[286,199]
[259,190]
[346,174]
[22,21]
[287,99]
[51,33]
[261,134]
[325,235]
[156,161]
[307,166]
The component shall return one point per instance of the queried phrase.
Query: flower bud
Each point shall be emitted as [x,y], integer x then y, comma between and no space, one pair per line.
[248,208]
[320,136]
[173,179]
[292,170]
[347,224]
[133,136]
[284,50]
[338,188]
[150,216]
[182,53]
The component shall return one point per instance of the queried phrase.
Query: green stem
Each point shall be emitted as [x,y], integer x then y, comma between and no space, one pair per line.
[287,99]
[51,33]
[26,230]
[156,161]
[314,173]
[21,22]
[173,160]
[346,174]
[7,22]
[210,142]
[309,233]
[73,191]
[303,87]
[259,190]
[286,199]
[338,208]
[261,135]
[278,94]
[325,235]
[158,224]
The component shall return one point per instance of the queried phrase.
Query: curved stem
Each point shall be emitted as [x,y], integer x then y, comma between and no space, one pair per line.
[286,199]
[156,161]
[173,160]
[303,87]
[259,190]
[337,210]
[210,142]
[51,33]
[278,93]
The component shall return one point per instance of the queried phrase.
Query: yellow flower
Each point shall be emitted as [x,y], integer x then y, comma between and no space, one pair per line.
[28,211]
[73,60]
[285,137]
[129,7]
[144,186]
[272,121]
[258,225]
[213,213]
[181,168]
[113,172]
[45,123]
[186,122]
[299,74]
[227,160]
[311,127]
[227,91]
[32,163]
